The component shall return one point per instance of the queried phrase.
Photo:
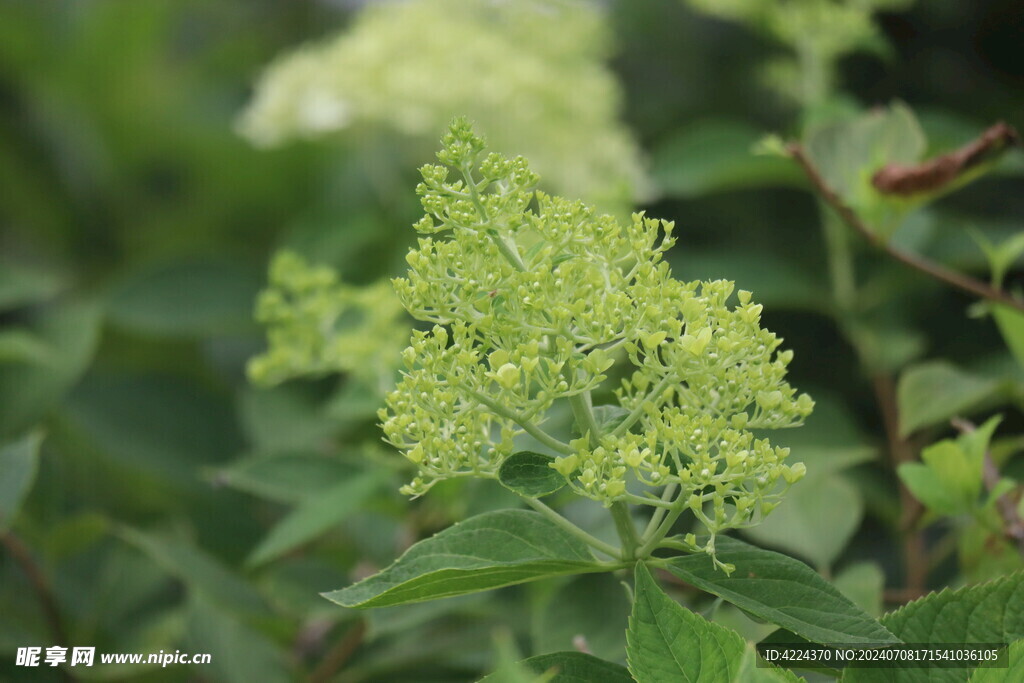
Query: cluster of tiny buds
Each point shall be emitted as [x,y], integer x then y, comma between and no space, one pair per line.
[533,300]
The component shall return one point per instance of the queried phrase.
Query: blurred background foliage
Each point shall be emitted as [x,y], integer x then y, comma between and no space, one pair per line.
[172,505]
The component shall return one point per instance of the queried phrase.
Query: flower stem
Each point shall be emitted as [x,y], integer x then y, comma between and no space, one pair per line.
[579,533]
[626,529]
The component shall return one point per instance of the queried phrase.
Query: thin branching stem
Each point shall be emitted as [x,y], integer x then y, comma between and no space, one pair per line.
[933,270]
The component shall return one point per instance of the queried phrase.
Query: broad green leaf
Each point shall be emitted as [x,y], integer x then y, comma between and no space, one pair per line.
[781,590]
[129,419]
[19,461]
[991,612]
[487,551]
[316,516]
[238,653]
[186,299]
[1013,672]
[202,574]
[285,417]
[573,612]
[863,583]
[1011,326]
[815,520]
[21,285]
[21,346]
[667,642]
[715,156]
[847,154]
[28,391]
[572,667]
[287,477]
[933,392]
[949,478]
[529,474]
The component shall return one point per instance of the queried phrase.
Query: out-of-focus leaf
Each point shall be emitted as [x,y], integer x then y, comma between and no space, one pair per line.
[714,156]
[776,281]
[187,299]
[19,461]
[29,391]
[21,285]
[21,346]
[130,419]
[1011,326]
[316,515]
[863,584]
[781,590]
[573,612]
[933,392]
[529,474]
[815,520]
[287,477]
[949,478]
[198,571]
[572,667]
[284,417]
[487,551]
[848,153]
[238,654]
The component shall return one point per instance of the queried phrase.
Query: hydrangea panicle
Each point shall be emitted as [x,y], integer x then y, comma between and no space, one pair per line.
[532,299]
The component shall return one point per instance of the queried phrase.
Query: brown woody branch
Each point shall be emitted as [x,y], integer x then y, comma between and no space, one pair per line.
[852,220]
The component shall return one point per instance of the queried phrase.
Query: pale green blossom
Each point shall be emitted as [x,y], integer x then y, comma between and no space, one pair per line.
[531,73]
[318,325]
[533,298]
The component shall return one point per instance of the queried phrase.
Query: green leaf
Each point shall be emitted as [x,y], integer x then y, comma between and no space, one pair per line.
[238,654]
[21,346]
[715,156]
[187,299]
[202,574]
[572,667]
[1011,325]
[316,516]
[573,612]
[991,612]
[815,520]
[848,153]
[21,285]
[949,479]
[487,551]
[1013,672]
[863,583]
[934,392]
[667,642]
[288,477]
[781,590]
[19,461]
[529,474]
[70,333]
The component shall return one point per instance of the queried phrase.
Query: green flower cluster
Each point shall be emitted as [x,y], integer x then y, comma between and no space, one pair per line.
[533,298]
[530,72]
[318,325]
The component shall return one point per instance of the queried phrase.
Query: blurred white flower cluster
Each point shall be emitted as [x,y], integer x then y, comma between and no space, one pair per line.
[529,73]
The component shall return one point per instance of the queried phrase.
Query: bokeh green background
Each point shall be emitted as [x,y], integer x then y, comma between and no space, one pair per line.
[135,230]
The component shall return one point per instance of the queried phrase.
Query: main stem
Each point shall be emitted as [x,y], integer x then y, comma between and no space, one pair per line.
[584,414]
